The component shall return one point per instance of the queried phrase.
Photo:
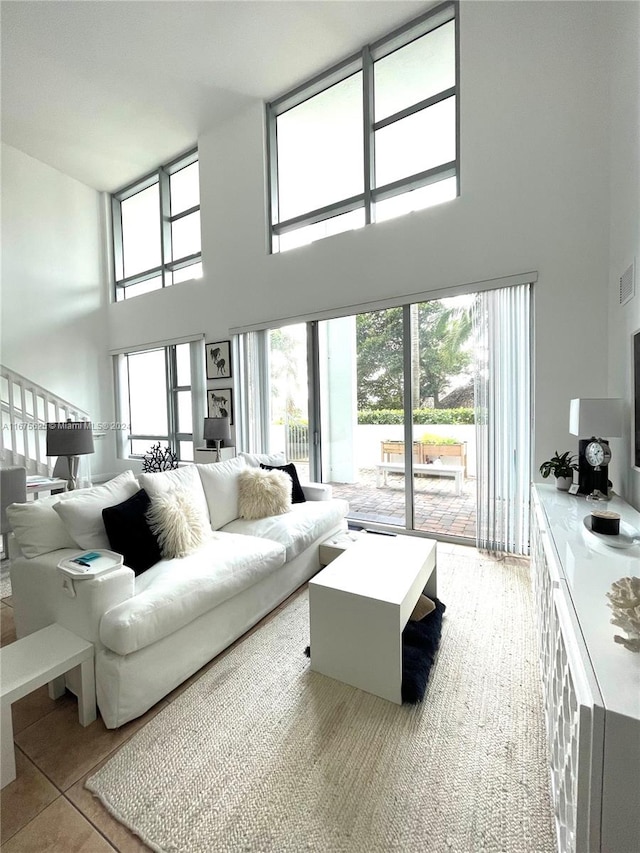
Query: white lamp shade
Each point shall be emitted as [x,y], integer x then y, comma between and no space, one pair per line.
[601,417]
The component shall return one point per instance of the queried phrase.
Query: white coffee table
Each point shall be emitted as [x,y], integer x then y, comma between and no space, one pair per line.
[335,545]
[40,658]
[359,606]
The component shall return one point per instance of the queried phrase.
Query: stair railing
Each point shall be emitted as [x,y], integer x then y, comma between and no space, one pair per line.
[25,409]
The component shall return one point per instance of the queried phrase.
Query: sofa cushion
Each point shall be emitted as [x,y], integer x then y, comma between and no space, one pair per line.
[298,528]
[179,522]
[81,514]
[186,477]
[38,528]
[255,460]
[173,593]
[129,533]
[262,493]
[220,484]
[297,495]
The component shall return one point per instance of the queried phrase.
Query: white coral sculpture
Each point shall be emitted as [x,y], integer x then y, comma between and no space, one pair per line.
[624,600]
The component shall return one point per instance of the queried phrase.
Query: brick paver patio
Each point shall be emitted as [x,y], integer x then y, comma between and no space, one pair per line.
[438,509]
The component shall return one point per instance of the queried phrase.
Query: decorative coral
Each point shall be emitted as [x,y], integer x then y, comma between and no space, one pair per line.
[159,459]
[624,601]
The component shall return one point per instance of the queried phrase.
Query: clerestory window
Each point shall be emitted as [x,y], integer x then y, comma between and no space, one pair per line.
[156,229]
[374,137]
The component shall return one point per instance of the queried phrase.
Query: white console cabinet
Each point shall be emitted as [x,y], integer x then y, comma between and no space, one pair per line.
[591,685]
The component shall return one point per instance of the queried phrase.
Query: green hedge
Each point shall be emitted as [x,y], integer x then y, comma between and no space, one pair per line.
[420,416]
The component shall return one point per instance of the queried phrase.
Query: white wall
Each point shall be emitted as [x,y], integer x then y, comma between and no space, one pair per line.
[534,196]
[625,230]
[53,299]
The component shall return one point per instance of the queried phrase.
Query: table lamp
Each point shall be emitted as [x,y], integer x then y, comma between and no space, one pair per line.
[216,432]
[71,439]
[595,417]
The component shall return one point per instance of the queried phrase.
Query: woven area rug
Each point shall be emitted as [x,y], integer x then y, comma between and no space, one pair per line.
[261,754]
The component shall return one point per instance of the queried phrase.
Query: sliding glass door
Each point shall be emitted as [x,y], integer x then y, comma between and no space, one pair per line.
[361,390]
[383,406]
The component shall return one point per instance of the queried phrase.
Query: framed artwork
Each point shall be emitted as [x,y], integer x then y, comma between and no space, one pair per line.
[218,356]
[220,403]
[635,404]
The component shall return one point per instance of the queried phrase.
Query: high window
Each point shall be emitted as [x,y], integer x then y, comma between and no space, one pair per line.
[372,138]
[156,229]
[156,398]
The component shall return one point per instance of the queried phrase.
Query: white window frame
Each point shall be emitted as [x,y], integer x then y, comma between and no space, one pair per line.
[168,265]
[197,389]
[364,61]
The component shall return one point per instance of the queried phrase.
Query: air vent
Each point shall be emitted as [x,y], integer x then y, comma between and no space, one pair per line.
[627,284]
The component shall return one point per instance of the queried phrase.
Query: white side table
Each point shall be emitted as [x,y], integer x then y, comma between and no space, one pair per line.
[337,544]
[205,455]
[44,656]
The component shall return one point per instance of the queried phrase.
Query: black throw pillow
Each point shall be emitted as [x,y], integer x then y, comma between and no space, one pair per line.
[129,533]
[297,495]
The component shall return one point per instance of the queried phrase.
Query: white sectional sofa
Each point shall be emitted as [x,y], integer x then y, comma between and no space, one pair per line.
[154,630]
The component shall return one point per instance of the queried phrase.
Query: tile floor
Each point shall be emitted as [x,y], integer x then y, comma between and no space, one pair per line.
[47,809]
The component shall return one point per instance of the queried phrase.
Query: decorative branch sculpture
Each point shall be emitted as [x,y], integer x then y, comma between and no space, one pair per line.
[159,459]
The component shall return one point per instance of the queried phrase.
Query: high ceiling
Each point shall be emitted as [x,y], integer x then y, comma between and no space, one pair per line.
[105,90]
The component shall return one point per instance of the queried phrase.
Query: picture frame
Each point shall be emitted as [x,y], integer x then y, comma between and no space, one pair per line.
[635,403]
[218,359]
[220,403]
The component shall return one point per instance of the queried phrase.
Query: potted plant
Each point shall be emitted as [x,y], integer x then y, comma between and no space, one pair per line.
[562,467]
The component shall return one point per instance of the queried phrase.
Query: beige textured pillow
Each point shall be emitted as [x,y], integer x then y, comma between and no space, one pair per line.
[423,607]
[178,522]
[262,493]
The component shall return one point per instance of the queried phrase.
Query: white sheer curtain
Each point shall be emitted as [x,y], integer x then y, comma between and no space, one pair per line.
[252,387]
[503,418]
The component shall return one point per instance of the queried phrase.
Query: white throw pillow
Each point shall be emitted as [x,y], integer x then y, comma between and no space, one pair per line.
[220,483]
[81,514]
[178,522]
[258,459]
[185,478]
[38,528]
[262,493]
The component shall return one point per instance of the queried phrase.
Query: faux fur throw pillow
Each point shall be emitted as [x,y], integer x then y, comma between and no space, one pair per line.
[262,493]
[178,523]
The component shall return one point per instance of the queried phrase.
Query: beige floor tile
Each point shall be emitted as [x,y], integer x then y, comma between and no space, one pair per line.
[24,798]
[60,828]
[65,751]
[8,601]
[7,626]
[37,705]
[122,839]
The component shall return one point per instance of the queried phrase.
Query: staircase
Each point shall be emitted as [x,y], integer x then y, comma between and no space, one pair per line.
[25,409]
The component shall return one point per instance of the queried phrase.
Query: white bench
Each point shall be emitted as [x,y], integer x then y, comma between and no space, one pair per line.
[454,472]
